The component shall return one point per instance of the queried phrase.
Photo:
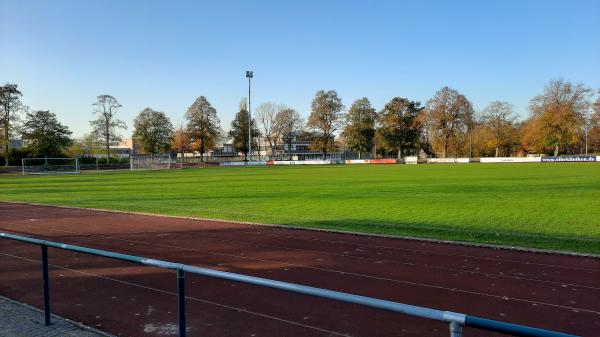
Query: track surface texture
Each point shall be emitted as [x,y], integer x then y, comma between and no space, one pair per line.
[544,290]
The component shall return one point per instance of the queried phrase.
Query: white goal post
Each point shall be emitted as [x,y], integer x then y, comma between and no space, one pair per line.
[150,162]
[50,165]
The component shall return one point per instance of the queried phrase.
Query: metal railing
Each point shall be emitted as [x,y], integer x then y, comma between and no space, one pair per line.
[456,321]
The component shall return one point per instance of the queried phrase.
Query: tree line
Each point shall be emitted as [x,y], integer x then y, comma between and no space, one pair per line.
[563,119]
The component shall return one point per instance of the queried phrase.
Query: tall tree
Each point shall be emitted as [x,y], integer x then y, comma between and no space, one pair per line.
[266,114]
[594,127]
[203,125]
[10,106]
[499,118]
[488,142]
[289,123]
[239,130]
[154,131]
[532,138]
[181,141]
[325,118]
[359,131]
[596,109]
[449,114]
[45,135]
[400,125]
[560,113]
[106,125]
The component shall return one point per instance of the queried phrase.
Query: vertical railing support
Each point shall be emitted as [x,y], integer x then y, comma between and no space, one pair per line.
[181,302]
[46,285]
[455,329]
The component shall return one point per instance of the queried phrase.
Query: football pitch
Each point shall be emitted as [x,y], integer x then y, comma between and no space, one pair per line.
[550,206]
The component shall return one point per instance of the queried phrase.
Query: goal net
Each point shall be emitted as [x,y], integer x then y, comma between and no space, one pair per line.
[50,165]
[151,162]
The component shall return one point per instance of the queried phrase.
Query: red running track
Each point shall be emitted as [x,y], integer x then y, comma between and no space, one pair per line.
[550,291]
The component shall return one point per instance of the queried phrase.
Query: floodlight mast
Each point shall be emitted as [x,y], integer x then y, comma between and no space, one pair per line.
[249,75]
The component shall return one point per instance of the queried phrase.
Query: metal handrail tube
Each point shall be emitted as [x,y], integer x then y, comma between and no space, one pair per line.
[81,249]
[510,328]
[453,318]
[413,310]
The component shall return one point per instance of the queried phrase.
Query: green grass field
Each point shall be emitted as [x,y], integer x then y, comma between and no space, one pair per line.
[553,206]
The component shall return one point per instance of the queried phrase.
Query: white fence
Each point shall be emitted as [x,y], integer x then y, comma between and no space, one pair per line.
[414,160]
[304,162]
[411,160]
[243,163]
[448,160]
[511,160]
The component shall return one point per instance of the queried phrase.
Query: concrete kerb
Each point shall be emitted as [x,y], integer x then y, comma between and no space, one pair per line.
[57,317]
[389,236]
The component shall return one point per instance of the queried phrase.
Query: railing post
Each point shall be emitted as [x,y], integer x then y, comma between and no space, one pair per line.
[181,302]
[46,285]
[455,329]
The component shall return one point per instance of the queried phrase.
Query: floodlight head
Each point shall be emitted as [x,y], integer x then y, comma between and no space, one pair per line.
[249,74]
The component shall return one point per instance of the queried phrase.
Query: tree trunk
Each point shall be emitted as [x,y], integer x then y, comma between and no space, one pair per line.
[556,148]
[375,150]
[202,150]
[497,151]
[6,140]
[107,152]
[400,153]
[445,153]
[6,137]
[470,144]
[271,146]
[359,155]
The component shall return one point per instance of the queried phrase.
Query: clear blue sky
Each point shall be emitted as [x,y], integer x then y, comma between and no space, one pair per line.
[163,54]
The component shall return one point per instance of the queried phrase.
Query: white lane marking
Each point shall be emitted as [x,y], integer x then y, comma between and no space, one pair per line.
[340,272]
[187,297]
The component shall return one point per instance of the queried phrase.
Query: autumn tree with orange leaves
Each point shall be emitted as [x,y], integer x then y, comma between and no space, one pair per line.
[182,141]
[498,119]
[557,118]
[594,127]
[203,125]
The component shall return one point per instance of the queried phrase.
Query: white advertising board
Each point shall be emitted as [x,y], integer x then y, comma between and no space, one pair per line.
[448,160]
[302,162]
[510,160]
[410,160]
[243,163]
